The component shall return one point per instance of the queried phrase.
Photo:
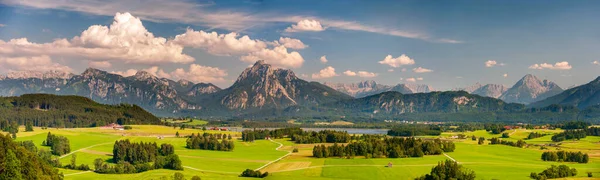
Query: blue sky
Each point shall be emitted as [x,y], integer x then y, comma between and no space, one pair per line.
[446,43]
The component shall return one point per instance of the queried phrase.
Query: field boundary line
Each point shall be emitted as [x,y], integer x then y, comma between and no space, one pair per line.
[278,159]
[63,156]
[218,172]
[77,173]
[349,165]
[451,158]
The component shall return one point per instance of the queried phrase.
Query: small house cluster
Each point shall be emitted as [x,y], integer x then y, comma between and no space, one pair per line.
[113,126]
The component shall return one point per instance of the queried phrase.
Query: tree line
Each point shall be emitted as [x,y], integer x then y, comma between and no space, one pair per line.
[388,147]
[447,170]
[415,130]
[565,156]
[209,142]
[534,135]
[137,157]
[58,144]
[554,171]
[520,143]
[324,136]
[19,162]
[44,110]
[576,134]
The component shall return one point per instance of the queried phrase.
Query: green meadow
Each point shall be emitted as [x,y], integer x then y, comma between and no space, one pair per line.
[488,161]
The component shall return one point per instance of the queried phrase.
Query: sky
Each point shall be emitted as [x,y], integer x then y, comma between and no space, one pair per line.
[444,44]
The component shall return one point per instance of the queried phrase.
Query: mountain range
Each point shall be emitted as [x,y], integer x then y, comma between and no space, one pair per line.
[265,91]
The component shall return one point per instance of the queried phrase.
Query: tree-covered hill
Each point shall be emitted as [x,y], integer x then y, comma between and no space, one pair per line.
[69,111]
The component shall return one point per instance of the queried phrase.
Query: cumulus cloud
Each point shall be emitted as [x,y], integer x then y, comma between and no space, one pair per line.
[596,63]
[127,73]
[277,56]
[505,75]
[349,73]
[412,79]
[100,64]
[366,74]
[397,62]
[492,63]
[564,65]
[35,63]
[126,39]
[2,25]
[196,73]
[323,59]
[305,25]
[421,70]
[325,73]
[291,43]
[219,44]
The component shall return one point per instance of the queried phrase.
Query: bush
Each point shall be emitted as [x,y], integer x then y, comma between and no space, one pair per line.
[127,127]
[196,178]
[252,173]
[448,170]
[295,150]
[554,172]
[505,135]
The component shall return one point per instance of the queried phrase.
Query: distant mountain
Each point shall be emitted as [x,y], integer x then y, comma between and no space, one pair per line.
[582,96]
[265,87]
[449,102]
[158,95]
[367,88]
[530,89]
[488,90]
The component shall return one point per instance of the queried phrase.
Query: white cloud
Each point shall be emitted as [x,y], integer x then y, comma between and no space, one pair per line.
[292,43]
[492,63]
[421,70]
[349,73]
[2,25]
[191,12]
[277,56]
[323,59]
[390,70]
[412,79]
[366,74]
[219,44]
[129,72]
[325,73]
[35,63]
[198,73]
[125,40]
[505,75]
[596,63]
[100,64]
[564,65]
[397,62]
[305,25]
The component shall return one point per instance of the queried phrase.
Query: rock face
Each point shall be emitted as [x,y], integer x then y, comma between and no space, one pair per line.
[582,96]
[367,88]
[488,90]
[530,89]
[263,86]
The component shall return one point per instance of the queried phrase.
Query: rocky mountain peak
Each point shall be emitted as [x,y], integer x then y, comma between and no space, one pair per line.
[90,72]
[143,75]
[530,89]
[367,84]
[262,72]
[184,82]
[38,75]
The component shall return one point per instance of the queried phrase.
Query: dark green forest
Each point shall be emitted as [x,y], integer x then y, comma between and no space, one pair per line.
[18,162]
[44,110]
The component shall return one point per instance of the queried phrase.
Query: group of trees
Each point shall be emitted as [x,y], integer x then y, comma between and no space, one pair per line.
[520,143]
[576,134]
[573,125]
[415,130]
[534,135]
[10,127]
[19,162]
[565,156]
[209,142]
[73,164]
[554,171]
[58,144]
[448,170]
[44,110]
[389,147]
[251,135]
[324,136]
[494,128]
[255,174]
[136,157]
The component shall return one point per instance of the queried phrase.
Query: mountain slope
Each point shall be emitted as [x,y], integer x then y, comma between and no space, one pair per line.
[490,90]
[582,96]
[262,86]
[368,88]
[530,89]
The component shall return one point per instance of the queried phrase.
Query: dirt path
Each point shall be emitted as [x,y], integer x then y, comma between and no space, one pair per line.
[63,156]
[280,145]
[451,158]
[78,173]
[355,165]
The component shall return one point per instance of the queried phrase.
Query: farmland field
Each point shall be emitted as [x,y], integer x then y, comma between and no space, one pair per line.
[488,161]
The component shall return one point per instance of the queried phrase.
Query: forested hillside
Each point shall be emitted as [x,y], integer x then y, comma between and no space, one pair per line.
[68,111]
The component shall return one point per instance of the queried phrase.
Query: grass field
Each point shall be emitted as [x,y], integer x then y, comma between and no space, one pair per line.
[488,161]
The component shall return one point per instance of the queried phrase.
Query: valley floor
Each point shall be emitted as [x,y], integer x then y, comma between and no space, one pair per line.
[488,161]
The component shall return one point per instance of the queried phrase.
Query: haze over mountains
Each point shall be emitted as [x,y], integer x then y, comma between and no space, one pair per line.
[265,91]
